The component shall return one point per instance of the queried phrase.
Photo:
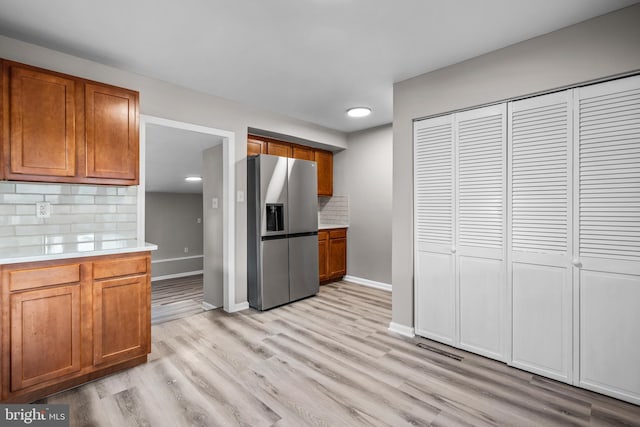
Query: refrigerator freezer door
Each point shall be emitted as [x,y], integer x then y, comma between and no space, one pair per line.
[303,266]
[275,273]
[303,196]
[273,189]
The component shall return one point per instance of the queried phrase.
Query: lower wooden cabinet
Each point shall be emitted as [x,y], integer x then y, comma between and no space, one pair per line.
[332,254]
[70,321]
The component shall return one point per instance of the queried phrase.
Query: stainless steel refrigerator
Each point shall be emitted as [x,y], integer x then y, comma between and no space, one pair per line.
[282,230]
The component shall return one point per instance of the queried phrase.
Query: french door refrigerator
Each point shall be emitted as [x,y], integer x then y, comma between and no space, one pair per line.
[282,230]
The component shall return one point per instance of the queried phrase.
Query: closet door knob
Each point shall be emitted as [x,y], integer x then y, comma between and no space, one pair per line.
[576,263]
[453,249]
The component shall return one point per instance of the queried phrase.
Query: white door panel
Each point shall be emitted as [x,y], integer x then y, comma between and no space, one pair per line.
[541,296]
[610,334]
[481,289]
[435,296]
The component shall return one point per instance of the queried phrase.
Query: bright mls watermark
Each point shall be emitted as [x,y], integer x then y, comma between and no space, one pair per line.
[34,415]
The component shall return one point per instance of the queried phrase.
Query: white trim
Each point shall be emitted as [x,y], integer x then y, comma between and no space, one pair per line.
[403,330]
[184,258]
[238,307]
[206,306]
[228,176]
[177,275]
[368,283]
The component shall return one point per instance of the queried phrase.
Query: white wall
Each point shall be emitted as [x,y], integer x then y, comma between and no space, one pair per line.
[364,174]
[604,46]
[161,99]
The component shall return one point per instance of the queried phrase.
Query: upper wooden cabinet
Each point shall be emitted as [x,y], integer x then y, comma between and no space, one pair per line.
[111,126]
[60,128]
[263,145]
[324,159]
[276,148]
[303,153]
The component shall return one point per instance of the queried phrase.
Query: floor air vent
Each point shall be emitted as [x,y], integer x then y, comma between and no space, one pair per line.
[440,352]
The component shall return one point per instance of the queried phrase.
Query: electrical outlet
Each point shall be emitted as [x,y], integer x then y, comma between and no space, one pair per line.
[199,220]
[214,203]
[186,250]
[43,209]
[240,196]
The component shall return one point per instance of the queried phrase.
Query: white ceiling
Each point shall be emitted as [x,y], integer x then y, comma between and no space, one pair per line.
[310,59]
[173,154]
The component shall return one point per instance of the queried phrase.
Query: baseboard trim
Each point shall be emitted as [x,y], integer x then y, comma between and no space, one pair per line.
[184,258]
[402,330]
[239,307]
[206,306]
[177,275]
[368,283]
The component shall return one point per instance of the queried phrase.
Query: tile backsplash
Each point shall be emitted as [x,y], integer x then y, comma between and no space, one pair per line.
[79,213]
[333,210]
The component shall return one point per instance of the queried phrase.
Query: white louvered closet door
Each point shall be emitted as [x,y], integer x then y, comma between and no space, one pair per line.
[434,233]
[539,273]
[607,237]
[480,229]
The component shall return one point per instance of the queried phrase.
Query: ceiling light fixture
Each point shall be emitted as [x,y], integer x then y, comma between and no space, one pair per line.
[359,111]
[193,178]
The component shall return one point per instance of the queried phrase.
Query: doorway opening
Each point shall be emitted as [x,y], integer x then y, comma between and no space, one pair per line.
[169,151]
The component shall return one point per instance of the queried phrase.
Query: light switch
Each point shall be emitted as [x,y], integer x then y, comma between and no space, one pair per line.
[43,209]
[240,196]
[199,220]
[214,203]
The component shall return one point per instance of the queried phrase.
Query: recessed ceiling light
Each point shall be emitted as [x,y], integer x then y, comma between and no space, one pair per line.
[358,111]
[193,178]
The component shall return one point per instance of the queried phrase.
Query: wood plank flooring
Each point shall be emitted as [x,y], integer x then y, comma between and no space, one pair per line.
[176,298]
[325,361]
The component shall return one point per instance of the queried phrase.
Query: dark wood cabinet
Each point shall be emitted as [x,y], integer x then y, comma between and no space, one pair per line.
[111,126]
[323,255]
[303,153]
[40,123]
[61,128]
[332,254]
[45,334]
[324,159]
[276,148]
[69,321]
[255,146]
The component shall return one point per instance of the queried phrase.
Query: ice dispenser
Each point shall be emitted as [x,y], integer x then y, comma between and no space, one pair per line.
[275,217]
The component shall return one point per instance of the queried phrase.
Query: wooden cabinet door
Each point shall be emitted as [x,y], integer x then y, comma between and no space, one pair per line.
[45,334]
[323,255]
[303,153]
[282,149]
[121,328]
[255,146]
[111,126]
[324,159]
[337,257]
[42,123]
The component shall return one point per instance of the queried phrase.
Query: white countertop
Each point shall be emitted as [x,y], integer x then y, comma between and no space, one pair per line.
[328,226]
[72,250]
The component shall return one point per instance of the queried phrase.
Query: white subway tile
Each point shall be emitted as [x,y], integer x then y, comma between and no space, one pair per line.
[127,208]
[125,226]
[16,242]
[31,230]
[70,200]
[21,199]
[121,235]
[56,239]
[9,209]
[70,219]
[128,191]
[28,188]
[20,220]
[26,209]
[7,187]
[7,231]
[116,218]
[93,227]
[116,200]
[82,209]
[60,209]
[94,190]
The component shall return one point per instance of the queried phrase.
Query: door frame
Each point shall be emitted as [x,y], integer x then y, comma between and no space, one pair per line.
[228,213]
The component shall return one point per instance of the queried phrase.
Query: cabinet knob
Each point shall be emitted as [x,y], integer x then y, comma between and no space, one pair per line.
[453,249]
[576,263]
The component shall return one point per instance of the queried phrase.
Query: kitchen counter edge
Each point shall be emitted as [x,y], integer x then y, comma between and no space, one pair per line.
[39,253]
[331,226]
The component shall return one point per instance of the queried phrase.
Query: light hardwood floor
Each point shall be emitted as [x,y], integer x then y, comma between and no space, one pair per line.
[325,361]
[176,298]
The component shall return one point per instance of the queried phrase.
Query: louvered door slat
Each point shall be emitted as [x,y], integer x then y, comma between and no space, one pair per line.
[434,182]
[608,162]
